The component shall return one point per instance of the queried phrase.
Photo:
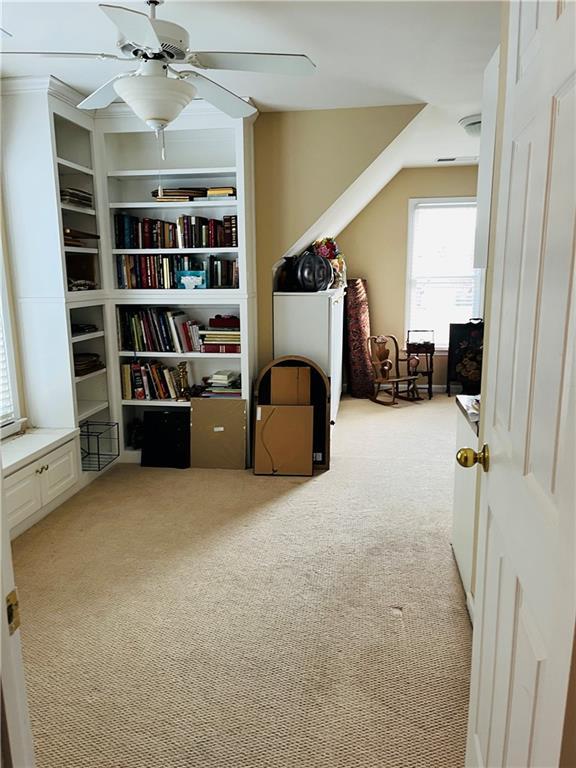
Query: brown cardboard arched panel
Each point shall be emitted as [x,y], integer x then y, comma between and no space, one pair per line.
[319,398]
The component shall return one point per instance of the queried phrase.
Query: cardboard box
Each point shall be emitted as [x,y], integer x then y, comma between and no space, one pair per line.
[290,385]
[218,433]
[283,440]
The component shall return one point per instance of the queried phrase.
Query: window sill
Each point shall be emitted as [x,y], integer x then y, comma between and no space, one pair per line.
[12,429]
[21,450]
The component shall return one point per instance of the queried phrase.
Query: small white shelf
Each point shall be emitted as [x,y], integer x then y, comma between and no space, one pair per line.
[74,166]
[159,403]
[87,408]
[167,251]
[184,355]
[87,336]
[92,375]
[164,173]
[231,203]
[77,209]
[78,249]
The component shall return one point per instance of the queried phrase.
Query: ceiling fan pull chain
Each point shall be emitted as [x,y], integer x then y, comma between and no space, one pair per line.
[160,137]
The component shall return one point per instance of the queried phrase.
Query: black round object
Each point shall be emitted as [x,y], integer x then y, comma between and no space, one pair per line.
[305,272]
[313,272]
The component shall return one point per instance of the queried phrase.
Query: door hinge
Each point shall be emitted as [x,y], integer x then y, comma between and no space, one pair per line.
[13,611]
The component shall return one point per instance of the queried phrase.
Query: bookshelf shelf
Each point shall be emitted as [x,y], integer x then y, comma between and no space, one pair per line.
[74,166]
[231,203]
[158,403]
[87,408]
[87,336]
[174,173]
[79,249]
[183,355]
[92,375]
[168,251]
[181,296]
[95,296]
[78,209]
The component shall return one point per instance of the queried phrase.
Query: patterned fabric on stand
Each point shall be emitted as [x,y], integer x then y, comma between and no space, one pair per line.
[357,330]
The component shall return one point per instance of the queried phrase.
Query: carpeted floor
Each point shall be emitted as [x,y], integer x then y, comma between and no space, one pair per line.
[214,619]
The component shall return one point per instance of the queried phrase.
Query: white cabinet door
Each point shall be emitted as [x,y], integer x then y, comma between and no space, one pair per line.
[62,472]
[22,494]
[302,327]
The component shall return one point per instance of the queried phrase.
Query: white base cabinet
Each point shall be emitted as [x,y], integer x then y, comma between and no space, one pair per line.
[33,488]
[311,324]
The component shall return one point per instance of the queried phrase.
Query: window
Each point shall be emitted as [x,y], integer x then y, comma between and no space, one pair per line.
[443,286]
[9,415]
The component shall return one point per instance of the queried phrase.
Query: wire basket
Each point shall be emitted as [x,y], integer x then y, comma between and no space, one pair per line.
[99,444]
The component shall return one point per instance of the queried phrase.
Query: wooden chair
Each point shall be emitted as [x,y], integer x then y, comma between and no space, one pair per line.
[387,376]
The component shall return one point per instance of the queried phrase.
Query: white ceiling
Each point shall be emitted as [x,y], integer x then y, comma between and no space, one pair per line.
[367,53]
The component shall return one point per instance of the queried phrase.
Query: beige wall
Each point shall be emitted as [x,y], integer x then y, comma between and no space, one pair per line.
[303,163]
[375,244]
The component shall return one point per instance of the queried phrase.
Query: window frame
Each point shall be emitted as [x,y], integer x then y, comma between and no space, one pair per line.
[6,309]
[413,203]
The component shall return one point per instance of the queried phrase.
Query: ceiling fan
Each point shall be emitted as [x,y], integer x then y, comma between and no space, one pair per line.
[157,92]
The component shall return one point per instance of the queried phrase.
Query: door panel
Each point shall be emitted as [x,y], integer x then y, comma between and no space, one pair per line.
[22,494]
[62,472]
[526,599]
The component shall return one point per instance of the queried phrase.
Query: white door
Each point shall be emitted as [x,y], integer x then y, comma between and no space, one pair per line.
[525,609]
[12,672]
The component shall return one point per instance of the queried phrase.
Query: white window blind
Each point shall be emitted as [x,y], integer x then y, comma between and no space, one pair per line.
[7,414]
[443,286]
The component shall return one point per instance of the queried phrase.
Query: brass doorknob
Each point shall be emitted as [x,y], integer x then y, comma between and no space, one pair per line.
[467,457]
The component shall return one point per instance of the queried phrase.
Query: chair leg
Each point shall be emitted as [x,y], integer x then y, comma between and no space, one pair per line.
[429,386]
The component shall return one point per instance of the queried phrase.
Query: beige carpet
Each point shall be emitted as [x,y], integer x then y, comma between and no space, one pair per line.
[213,619]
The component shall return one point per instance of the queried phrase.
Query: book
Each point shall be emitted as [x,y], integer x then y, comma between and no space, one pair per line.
[137,383]
[219,191]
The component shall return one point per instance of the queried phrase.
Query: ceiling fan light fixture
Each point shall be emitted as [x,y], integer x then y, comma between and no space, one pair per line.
[155,100]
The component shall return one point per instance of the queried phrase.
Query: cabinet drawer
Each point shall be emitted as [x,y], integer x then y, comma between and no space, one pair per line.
[22,494]
[62,472]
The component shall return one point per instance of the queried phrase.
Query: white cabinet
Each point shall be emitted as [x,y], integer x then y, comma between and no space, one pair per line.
[36,485]
[311,324]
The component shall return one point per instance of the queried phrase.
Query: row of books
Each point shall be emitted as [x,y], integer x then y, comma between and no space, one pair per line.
[157,330]
[154,271]
[149,380]
[170,330]
[186,232]
[186,194]
[152,380]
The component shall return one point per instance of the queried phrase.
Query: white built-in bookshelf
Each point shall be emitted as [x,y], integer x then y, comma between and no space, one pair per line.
[114,159]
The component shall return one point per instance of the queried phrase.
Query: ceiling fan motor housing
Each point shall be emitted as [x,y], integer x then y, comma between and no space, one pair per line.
[173,37]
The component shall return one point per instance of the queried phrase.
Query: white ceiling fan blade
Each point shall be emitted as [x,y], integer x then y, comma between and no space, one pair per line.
[271,63]
[220,97]
[104,95]
[65,55]
[136,27]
